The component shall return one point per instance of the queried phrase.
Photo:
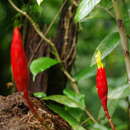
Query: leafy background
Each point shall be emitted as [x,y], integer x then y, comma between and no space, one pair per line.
[93,31]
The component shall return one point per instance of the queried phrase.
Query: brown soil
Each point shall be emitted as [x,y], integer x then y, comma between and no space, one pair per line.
[15,115]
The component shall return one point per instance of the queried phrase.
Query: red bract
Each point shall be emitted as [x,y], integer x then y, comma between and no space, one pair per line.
[19,63]
[102,88]
[20,68]
[101,84]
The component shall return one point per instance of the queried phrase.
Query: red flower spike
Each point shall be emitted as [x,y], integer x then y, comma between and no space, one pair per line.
[101,84]
[20,68]
[102,87]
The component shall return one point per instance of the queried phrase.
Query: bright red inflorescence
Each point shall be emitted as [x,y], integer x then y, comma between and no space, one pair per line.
[19,63]
[20,67]
[102,88]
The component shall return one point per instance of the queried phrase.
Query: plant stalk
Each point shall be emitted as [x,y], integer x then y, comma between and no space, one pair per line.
[123,34]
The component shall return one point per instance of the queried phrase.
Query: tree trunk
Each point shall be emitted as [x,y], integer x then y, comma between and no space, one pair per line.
[53,81]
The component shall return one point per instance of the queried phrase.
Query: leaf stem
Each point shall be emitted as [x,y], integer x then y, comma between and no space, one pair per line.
[90,116]
[107,10]
[111,124]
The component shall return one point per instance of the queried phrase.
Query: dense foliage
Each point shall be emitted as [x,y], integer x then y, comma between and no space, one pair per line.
[98,30]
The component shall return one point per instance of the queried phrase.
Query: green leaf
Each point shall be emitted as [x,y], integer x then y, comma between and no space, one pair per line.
[39,94]
[41,64]
[39,1]
[77,113]
[107,45]
[107,4]
[66,116]
[125,14]
[112,105]
[120,92]
[65,101]
[85,7]
[114,96]
[80,98]
[88,72]
[98,127]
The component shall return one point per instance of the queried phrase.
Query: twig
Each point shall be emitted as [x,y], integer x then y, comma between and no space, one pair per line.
[47,31]
[54,19]
[73,81]
[111,124]
[90,116]
[107,10]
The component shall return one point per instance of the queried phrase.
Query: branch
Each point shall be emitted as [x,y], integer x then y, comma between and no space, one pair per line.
[107,10]
[123,35]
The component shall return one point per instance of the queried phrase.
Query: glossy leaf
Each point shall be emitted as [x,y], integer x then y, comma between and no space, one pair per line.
[87,72]
[66,116]
[120,92]
[80,98]
[85,7]
[65,101]
[39,94]
[107,45]
[42,64]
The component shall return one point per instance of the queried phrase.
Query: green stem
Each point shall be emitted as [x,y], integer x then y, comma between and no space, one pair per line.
[90,116]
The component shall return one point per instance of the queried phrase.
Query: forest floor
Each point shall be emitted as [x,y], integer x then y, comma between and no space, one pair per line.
[15,115]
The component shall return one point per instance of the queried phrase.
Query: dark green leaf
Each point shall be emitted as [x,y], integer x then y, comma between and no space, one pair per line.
[88,72]
[80,98]
[66,116]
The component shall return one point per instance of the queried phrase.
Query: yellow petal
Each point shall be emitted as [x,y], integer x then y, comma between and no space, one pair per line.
[98,59]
